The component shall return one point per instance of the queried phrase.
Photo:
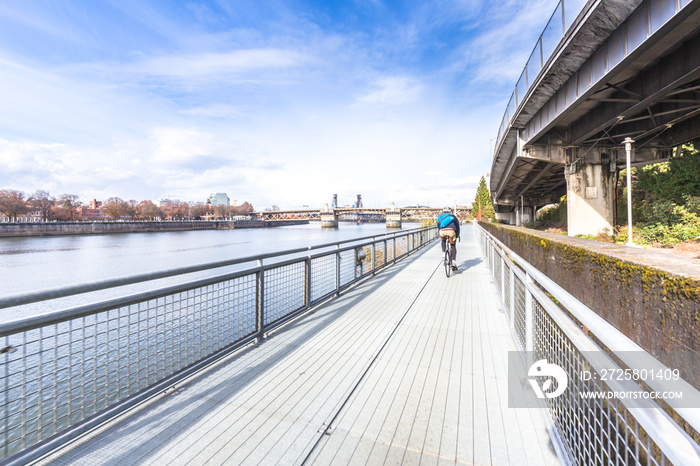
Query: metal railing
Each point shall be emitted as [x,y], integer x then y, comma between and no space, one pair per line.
[589,430]
[645,21]
[63,373]
[559,23]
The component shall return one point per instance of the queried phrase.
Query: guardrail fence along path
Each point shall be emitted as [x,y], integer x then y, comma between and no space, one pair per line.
[66,371]
[406,366]
[548,323]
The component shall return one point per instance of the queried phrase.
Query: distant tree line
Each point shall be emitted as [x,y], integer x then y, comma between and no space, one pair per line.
[41,205]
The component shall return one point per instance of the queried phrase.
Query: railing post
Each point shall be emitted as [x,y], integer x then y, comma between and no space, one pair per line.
[337,270]
[386,254]
[260,308]
[374,257]
[393,245]
[307,282]
[563,18]
[489,257]
[503,278]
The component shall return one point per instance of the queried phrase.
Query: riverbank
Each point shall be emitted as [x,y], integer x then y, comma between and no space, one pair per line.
[14,230]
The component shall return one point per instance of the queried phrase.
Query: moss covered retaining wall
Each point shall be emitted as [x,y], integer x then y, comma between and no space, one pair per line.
[652,298]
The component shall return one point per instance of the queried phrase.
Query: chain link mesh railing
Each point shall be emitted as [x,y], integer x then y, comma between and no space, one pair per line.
[285,291]
[498,266]
[508,292]
[590,430]
[519,312]
[75,368]
[323,276]
[58,374]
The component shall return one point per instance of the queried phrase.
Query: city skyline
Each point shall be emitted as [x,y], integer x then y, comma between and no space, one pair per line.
[284,103]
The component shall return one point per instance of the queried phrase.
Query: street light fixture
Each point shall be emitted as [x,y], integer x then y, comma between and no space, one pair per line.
[628,150]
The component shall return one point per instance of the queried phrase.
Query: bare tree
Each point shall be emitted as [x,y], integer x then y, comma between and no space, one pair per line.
[12,203]
[244,209]
[222,210]
[131,208]
[148,210]
[67,206]
[115,207]
[198,210]
[176,209]
[43,202]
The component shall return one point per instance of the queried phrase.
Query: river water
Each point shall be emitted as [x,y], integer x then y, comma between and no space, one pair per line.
[36,264]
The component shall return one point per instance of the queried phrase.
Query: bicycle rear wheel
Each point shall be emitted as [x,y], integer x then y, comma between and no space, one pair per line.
[448,261]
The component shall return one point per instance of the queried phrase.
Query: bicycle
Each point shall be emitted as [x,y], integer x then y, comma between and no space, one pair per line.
[447,261]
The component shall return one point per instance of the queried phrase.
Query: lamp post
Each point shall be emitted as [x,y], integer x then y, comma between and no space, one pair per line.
[628,150]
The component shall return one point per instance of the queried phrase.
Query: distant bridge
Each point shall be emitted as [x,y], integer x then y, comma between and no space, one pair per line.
[408,214]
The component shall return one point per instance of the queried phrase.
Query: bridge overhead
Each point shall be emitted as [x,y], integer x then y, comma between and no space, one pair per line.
[602,71]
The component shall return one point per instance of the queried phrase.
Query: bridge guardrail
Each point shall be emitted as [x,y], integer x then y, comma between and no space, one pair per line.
[634,430]
[647,19]
[64,373]
[559,23]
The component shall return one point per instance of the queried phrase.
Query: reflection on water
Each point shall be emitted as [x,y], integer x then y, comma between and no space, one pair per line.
[31,264]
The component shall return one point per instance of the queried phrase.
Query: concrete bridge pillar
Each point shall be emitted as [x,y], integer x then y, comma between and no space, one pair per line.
[393,217]
[329,219]
[523,213]
[590,198]
[508,217]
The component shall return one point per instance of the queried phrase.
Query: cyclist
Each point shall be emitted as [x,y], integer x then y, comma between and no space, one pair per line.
[448,227]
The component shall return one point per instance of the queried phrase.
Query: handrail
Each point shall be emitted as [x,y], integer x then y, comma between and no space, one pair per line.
[537,51]
[69,370]
[34,297]
[569,14]
[674,442]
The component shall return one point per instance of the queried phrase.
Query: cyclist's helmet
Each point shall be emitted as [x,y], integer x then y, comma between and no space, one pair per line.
[447,209]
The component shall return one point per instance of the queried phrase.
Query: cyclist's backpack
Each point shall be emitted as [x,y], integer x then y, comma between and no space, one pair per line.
[445,220]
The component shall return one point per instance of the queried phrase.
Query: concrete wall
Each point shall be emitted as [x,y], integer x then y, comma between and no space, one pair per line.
[652,297]
[8,230]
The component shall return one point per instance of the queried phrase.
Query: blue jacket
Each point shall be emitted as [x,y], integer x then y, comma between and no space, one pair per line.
[452,225]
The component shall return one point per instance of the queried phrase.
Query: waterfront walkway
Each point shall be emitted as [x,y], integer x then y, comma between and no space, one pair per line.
[409,367]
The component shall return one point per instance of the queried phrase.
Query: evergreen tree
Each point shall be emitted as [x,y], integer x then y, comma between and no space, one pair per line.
[482,207]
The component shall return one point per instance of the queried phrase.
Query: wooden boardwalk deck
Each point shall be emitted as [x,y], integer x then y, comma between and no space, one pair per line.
[409,367]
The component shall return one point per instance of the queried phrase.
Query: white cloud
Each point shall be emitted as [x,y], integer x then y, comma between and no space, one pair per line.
[33,19]
[217,65]
[285,116]
[501,51]
[393,90]
[216,110]
[180,145]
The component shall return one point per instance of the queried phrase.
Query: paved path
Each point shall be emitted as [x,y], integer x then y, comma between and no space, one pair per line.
[407,368]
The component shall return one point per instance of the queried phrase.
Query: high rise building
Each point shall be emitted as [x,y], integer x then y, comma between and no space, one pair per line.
[219,199]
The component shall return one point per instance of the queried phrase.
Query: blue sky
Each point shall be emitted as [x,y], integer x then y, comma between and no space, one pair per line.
[272,102]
